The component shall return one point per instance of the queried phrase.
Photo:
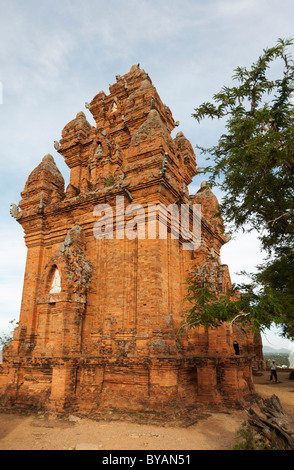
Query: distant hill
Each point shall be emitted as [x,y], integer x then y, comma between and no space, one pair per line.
[281,356]
[269,350]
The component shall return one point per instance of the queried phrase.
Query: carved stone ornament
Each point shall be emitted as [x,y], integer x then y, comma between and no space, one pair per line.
[14,211]
[72,271]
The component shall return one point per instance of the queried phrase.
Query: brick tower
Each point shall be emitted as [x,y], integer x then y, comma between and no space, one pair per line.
[101,310]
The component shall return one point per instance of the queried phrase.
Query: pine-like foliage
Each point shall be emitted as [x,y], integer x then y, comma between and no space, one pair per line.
[253,164]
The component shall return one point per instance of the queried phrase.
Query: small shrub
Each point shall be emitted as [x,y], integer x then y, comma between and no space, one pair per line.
[246,439]
[109,181]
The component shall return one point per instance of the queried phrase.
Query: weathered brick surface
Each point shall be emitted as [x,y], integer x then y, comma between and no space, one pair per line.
[106,335]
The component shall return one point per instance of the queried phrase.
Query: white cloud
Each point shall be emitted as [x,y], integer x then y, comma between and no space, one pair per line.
[134,21]
[13,258]
[242,253]
[273,339]
[37,63]
[230,8]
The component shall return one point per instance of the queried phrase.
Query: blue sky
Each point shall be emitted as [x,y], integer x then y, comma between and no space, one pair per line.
[56,55]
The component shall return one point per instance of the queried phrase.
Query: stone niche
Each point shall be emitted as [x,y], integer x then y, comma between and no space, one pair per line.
[99,320]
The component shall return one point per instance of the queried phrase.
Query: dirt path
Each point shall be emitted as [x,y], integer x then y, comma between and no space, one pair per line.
[215,431]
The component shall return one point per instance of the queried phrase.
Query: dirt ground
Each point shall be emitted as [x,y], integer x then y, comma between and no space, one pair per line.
[214,430]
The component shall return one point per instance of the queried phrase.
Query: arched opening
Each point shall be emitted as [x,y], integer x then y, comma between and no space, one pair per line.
[56,282]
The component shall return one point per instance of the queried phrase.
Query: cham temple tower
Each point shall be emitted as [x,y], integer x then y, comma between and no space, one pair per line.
[99,320]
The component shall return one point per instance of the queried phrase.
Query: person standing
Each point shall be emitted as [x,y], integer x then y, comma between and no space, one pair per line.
[274,371]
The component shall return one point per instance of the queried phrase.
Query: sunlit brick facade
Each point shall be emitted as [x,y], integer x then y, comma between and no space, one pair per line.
[99,319]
